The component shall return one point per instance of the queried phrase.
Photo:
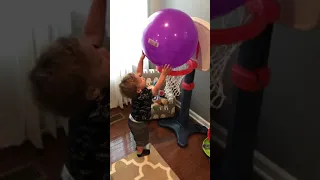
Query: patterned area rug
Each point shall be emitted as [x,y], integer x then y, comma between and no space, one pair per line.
[151,167]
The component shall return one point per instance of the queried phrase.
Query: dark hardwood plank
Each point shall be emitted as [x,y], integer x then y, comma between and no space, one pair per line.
[188,163]
[49,160]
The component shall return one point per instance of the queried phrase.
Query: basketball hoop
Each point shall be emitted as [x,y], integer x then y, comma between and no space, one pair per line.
[180,124]
[174,78]
[227,34]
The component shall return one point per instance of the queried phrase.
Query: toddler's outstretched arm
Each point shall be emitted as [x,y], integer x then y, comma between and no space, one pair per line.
[165,71]
[94,29]
[140,65]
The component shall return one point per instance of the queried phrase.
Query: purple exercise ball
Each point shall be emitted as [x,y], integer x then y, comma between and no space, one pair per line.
[170,37]
[222,7]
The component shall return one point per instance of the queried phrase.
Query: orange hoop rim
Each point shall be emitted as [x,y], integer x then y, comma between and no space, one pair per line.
[259,21]
[191,66]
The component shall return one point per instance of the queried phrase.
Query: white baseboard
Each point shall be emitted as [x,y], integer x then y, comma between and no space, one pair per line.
[267,169]
[196,117]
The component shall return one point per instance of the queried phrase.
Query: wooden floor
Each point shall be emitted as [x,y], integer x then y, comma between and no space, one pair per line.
[188,163]
[48,161]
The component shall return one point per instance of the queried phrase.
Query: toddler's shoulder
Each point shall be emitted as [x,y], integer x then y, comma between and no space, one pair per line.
[147,90]
[146,93]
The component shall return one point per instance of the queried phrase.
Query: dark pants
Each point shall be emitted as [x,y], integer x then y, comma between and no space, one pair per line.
[140,132]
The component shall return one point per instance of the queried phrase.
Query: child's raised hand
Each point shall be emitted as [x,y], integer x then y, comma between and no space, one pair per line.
[166,69]
[143,55]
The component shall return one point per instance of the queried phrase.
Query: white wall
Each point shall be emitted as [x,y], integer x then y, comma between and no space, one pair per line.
[200,102]
[289,122]
[80,13]
[199,8]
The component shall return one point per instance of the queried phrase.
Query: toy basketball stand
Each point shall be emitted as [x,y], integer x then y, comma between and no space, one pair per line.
[181,124]
[250,76]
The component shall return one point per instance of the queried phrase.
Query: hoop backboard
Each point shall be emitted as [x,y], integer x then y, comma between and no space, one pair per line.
[203,28]
[300,14]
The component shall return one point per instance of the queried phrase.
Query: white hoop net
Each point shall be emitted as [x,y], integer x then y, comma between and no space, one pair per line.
[220,54]
[172,87]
